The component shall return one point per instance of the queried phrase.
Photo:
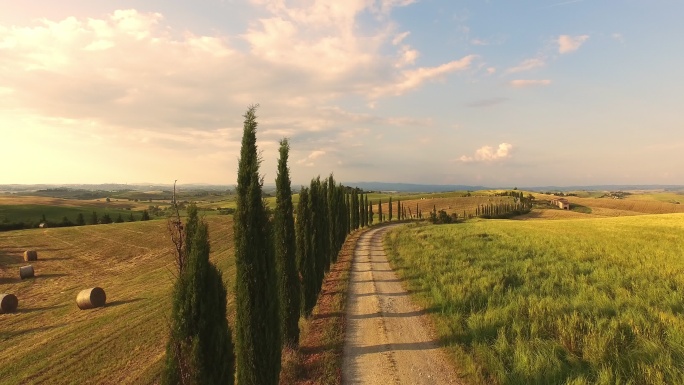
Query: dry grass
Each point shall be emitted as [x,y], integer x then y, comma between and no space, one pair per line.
[50,340]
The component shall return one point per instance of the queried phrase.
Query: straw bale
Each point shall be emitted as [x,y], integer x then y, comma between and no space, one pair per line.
[8,303]
[91,298]
[26,272]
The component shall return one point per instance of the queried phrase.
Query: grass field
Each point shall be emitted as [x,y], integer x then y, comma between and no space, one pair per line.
[594,301]
[49,340]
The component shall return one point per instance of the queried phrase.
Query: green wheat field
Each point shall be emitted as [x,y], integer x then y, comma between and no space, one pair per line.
[581,301]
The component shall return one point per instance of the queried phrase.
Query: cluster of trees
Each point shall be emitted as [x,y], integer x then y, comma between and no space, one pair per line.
[504,210]
[441,217]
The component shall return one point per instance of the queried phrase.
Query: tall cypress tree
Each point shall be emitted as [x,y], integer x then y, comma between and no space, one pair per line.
[367,210]
[398,210]
[390,209]
[362,211]
[256,300]
[317,231]
[347,198]
[333,219]
[370,213]
[285,252]
[380,211]
[200,348]
[305,261]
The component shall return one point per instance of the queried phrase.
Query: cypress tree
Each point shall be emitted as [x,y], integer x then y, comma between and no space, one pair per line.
[93,218]
[256,301]
[390,209]
[80,221]
[362,211]
[370,213]
[398,210]
[354,210]
[347,200]
[325,256]
[285,252]
[333,219]
[200,348]
[305,262]
[380,210]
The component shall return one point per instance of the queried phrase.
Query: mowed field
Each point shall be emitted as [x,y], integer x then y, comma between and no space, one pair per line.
[565,301]
[49,340]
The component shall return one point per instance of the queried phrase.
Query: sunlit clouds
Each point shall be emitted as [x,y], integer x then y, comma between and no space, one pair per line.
[489,154]
[567,43]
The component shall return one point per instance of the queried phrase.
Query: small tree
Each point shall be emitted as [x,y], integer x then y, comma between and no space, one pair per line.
[66,222]
[145,216]
[200,347]
[93,218]
[131,218]
[106,219]
[80,221]
[119,218]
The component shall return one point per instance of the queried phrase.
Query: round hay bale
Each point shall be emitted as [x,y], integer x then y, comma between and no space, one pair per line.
[91,298]
[26,272]
[8,303]
[30,255]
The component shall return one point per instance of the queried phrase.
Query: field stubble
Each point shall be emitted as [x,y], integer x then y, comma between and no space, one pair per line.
[49,340]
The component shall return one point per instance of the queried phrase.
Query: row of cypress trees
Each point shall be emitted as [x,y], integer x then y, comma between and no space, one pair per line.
[280,266]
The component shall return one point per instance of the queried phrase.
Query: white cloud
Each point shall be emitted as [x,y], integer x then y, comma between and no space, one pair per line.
[309,160]
[491,70]
[400,37]
[618,36]
[411,79]
[489,154]
[520,83]
[567,43]
[527,65]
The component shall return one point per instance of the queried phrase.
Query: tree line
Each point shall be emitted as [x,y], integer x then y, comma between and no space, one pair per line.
[79,220]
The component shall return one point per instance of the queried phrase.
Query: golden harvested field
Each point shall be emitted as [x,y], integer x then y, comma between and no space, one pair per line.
[49,340]
[645,204]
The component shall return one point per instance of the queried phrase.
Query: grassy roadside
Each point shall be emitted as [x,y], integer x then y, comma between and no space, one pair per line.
[319,358]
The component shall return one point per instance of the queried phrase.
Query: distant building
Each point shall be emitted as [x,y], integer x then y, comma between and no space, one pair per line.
[562,203]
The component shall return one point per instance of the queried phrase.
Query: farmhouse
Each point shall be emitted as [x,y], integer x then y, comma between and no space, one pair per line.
[562,203]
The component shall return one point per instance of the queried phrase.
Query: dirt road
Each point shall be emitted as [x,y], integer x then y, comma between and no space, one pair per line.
[387,340]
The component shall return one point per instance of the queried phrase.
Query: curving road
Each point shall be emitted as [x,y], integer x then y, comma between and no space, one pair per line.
[387,340]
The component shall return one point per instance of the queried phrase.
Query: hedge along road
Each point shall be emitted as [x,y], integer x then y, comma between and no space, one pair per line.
[388,340]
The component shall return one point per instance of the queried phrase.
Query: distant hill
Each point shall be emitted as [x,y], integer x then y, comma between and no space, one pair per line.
[409,187]
[367,186]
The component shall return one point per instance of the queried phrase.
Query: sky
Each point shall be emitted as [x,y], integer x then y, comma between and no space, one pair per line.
[478,92]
